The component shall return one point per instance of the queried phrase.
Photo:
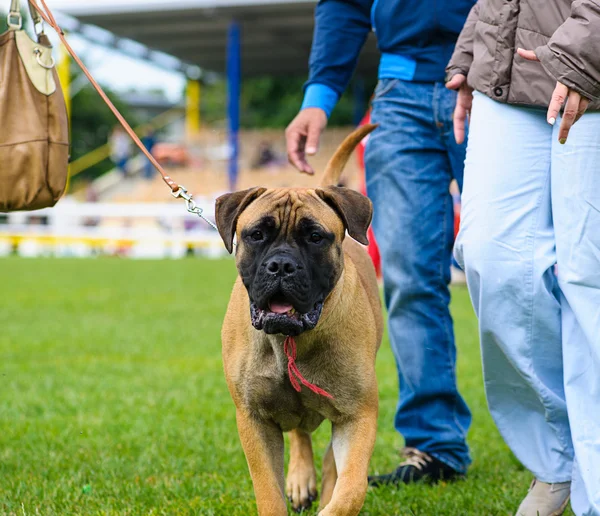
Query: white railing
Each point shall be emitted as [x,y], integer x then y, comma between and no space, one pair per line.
[143,230]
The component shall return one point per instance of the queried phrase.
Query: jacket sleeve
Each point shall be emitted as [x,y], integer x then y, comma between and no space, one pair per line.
[463,52]
[341,29]
[572,55]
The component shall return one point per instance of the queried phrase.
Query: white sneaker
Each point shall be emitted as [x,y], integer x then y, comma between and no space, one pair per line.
[545,499]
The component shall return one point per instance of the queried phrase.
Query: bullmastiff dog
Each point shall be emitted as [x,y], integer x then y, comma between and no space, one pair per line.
[300,336]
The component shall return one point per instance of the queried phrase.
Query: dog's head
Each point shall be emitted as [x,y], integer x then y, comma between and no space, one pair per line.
[289,243]
[289,249]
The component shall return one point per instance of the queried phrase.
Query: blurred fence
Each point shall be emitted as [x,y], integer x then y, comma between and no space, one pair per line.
[145,230]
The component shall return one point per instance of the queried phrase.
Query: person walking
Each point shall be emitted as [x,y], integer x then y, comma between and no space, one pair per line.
[531,202]
[410,161]
[120,148]
[149,141]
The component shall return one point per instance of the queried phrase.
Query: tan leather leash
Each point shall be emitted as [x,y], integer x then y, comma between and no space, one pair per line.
[177,190]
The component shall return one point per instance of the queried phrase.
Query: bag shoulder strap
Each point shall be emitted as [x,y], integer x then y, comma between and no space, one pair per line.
[15,15]
[45,14]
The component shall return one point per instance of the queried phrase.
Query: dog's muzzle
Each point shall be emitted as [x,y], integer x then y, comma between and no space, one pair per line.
[282,303]
[275,320]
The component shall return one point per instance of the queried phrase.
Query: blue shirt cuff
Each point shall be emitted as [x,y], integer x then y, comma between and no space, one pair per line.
[320,96]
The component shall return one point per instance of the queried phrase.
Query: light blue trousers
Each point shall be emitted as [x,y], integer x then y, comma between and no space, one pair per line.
[529,204]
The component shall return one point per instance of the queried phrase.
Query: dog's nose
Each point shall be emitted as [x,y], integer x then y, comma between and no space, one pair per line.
[281,266]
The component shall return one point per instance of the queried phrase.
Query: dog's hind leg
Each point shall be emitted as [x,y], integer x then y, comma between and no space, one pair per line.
[301,485]
[329,476]
[263,445]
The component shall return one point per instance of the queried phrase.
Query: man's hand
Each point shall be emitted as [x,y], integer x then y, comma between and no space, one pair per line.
[576,104]
[303,135]
[464,102]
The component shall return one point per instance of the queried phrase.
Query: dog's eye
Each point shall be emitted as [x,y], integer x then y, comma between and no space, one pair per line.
[315,238]
[257,236]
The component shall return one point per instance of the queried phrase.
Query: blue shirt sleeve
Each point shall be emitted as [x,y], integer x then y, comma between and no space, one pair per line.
[320,96]
[341,29]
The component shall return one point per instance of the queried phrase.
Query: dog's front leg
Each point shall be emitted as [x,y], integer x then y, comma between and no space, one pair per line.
[263,445]
[353,443]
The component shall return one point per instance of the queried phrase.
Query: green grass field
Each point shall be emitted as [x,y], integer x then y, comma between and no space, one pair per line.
[113,401]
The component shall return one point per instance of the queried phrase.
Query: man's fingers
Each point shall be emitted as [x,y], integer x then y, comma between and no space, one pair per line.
[456,82]
[302,137]
[569,116]
[556,102]
[298,162]
[527,54]
[295,150]
[296,159]
[293,140]
[312,140]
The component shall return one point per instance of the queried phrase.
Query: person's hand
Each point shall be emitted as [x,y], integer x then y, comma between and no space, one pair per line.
[464,102]
[303,135]
[576,104]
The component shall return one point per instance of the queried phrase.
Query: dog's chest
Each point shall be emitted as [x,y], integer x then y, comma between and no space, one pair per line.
[270,395]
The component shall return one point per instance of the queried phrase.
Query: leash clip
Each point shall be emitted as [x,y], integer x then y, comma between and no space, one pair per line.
[191,205]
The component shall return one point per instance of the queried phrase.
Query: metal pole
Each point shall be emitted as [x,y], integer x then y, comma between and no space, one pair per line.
[192,115]
[233,99]
[64,75]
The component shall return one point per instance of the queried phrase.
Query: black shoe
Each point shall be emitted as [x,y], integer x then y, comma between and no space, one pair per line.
[418,467]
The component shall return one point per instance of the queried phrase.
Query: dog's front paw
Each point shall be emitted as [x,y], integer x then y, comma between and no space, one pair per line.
[301,487]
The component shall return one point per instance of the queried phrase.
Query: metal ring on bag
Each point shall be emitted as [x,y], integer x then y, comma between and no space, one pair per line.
[38,55]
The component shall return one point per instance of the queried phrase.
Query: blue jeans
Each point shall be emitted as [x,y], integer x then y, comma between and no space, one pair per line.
[410,161]
[529,204]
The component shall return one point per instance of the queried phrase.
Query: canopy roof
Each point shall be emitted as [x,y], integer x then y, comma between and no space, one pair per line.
[276,34]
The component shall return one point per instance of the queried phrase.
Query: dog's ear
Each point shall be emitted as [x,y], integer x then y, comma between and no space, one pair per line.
[355,210]
[228,209]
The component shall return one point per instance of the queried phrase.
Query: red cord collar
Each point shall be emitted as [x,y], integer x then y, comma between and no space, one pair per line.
[289,348]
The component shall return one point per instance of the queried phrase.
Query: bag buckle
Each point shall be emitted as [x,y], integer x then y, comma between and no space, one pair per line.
[14,21]
[39,28]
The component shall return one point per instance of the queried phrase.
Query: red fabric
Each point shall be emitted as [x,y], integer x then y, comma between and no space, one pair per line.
[289,348]
[456,220]
[372,248]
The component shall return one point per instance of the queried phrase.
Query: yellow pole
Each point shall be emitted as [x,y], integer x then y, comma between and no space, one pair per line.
[192,116]
[64,75]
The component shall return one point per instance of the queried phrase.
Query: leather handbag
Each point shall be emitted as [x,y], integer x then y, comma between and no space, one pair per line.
[34,132]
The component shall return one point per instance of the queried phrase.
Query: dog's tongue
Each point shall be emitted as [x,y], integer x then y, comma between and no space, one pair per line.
[280,308]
